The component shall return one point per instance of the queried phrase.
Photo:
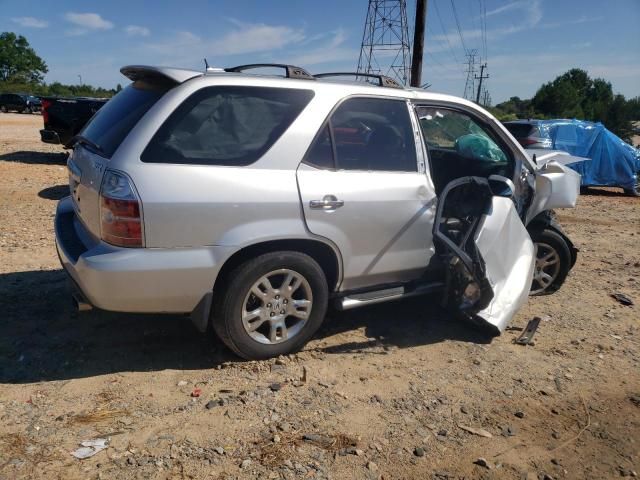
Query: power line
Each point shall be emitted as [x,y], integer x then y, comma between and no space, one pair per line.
[446,35]
[455,15]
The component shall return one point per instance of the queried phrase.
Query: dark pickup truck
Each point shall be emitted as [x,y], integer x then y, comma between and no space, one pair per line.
[19,102]
[65,117]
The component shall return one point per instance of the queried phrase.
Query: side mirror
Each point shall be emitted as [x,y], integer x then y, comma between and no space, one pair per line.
[501,186]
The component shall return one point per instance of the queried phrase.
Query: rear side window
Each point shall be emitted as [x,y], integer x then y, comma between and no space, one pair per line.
[520,130]
[111,124]
[226,125]
[371,134]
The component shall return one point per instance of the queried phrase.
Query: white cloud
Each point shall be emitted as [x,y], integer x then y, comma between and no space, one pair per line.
[30,22]
[86,22]
[243,39]
[255,37]
[331,51]
[136,30]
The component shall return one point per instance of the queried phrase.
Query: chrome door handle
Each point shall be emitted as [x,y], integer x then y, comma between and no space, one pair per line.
[328,202]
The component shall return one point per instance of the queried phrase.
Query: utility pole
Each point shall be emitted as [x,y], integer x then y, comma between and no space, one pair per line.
[418,43]
[481,77]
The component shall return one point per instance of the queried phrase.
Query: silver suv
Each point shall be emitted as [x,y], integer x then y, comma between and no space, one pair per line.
[250,202]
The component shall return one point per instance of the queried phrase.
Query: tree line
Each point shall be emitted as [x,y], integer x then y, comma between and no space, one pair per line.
[576,95]
[23,71]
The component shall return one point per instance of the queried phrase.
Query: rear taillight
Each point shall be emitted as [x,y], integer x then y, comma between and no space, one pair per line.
[527,141]
[120,212]
[45,113]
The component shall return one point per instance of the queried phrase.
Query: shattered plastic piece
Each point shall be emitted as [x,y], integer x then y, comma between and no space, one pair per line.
[623,299]
[90,448]
[476,431]
[196,392]
[526,337]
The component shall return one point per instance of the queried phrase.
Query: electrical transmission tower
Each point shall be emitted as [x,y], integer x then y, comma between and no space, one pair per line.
[469,86]
[386,48]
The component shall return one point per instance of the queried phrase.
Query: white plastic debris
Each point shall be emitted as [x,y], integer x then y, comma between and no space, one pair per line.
[90,448]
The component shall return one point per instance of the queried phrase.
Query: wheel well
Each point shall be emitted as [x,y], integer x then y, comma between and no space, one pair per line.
[320,252]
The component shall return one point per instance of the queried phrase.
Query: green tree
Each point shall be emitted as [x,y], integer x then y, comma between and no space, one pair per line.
[18,61]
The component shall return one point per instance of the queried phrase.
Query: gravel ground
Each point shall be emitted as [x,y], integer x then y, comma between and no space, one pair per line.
[392,391]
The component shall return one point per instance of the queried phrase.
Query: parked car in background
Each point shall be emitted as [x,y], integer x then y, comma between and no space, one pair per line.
[64,117]
[251,201]
[614,163]
[19,102]
[527,133]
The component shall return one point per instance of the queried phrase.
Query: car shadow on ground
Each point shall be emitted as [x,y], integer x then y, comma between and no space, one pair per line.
[36,158]
[604,192]
[43,339]
[54,193]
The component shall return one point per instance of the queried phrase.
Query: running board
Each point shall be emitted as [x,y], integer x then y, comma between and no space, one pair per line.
[356,300]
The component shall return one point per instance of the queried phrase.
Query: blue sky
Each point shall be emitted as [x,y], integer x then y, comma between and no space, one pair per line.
[528,41]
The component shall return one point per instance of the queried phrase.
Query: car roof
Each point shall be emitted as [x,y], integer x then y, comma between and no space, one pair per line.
[181,75]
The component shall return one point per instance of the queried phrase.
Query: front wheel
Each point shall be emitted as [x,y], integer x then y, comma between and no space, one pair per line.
[553,261]
[272,305]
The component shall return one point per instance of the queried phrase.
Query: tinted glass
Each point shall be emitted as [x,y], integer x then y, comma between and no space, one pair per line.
[373,134]
[230,126]
[321,152]
[519,130]
[111,124]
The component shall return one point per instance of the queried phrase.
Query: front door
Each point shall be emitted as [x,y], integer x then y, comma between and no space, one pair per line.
[363,187]
[486,248]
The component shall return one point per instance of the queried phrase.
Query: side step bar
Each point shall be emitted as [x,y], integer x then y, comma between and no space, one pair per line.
[356,300]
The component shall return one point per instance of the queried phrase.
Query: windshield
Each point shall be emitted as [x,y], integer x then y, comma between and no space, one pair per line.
[111,124]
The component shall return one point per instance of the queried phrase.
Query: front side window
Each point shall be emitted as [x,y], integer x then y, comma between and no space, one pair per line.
[461,146]
[226,125]
[372,134]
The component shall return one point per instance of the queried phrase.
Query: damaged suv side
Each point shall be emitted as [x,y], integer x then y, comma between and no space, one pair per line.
[250,202]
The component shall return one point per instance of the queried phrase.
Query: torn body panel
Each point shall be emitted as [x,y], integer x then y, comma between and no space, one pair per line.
[488,252]
[557,186]
[509,255]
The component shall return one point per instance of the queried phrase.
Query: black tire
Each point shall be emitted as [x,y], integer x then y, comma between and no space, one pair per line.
[3,109]
[226,318]
[550,238]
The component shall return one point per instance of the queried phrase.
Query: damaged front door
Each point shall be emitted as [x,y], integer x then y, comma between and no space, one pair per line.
[485,248]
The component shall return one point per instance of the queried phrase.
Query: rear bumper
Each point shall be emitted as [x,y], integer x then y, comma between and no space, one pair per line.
[144,280]
[49,136]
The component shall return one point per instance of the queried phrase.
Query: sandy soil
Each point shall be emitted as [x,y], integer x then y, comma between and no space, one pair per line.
[379,393]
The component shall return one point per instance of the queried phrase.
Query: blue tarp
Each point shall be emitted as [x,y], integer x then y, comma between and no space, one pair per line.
[613,162]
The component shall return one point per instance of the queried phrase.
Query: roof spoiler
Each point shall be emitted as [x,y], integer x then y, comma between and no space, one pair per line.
[148,73]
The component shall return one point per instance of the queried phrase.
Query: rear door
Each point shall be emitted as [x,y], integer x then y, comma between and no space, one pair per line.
[486,249]
[363,186]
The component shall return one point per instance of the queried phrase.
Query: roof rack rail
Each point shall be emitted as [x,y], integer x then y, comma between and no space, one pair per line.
[383,80]
[291,70]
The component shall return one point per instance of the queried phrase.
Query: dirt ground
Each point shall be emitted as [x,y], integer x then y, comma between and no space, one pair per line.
[383,392]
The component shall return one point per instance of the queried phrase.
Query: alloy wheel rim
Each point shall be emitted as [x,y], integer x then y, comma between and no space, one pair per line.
[547,267]
[277,306]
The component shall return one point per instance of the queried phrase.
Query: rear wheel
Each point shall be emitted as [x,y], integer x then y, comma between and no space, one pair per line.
[272,305]
[553,262]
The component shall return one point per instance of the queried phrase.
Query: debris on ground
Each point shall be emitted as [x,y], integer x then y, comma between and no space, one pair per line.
[476,431]
[90,447]
[526,337]
[623,299]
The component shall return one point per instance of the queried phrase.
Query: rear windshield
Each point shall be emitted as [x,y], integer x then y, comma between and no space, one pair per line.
[519,130]
[111,124]
[225,125]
